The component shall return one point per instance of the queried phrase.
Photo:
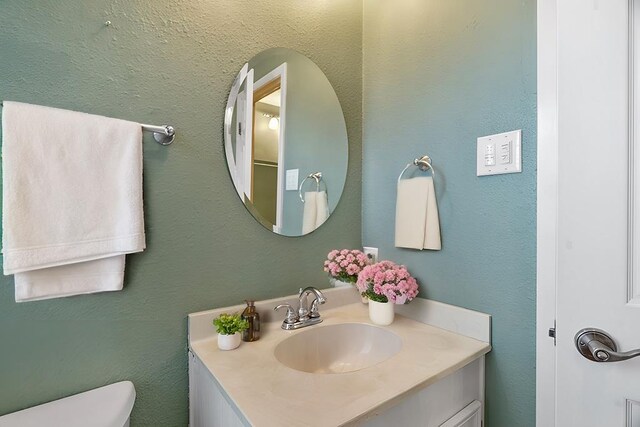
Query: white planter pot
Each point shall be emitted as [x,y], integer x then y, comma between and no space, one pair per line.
[336,283]
[229,342]
[381,313]
[341,284]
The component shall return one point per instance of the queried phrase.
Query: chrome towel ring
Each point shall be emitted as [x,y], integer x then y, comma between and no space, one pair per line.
[317,176]
[423,163]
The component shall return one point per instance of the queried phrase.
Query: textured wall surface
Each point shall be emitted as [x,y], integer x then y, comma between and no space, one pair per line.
[437,75]
[171,62]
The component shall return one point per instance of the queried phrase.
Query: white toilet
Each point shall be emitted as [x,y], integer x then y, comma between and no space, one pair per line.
[108,406]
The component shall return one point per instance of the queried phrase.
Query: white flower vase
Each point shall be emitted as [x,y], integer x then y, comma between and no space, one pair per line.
[381,313]
[229,342]
[337,283]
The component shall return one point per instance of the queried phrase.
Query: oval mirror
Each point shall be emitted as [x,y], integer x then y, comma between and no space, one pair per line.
[285,141]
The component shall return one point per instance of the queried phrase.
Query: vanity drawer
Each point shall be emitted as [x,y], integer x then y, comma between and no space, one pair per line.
[470,416]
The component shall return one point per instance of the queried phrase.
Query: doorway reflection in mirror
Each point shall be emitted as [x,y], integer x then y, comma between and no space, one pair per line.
[283,116]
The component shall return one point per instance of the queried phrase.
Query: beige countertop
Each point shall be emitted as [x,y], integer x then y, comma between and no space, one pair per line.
[268,393]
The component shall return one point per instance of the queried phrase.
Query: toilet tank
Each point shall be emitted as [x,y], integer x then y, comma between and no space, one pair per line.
[108,406]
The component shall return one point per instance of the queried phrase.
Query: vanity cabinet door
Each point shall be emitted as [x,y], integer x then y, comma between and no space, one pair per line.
[470,416]
[208,404]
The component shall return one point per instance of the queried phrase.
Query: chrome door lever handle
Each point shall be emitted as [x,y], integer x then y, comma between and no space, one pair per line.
[598,346]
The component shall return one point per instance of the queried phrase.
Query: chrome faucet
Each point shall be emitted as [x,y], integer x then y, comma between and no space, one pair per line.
[305,315]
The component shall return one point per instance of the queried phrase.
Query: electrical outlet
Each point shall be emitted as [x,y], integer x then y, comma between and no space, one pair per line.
[371,253]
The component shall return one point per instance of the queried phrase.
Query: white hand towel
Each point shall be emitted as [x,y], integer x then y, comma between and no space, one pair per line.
[432,226]
[72,194]
[315,211]
[417,222]
[322,208]
[309,212]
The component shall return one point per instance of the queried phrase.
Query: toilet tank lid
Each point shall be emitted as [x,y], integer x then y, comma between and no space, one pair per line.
[108,406]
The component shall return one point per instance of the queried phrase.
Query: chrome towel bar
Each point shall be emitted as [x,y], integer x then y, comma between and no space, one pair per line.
[164,134]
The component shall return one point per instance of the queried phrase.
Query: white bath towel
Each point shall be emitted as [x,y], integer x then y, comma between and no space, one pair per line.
[322,208]
[315,211]
[417,221]
[72,200]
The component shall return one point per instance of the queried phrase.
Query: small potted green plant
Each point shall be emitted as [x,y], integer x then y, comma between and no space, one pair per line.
[229,328]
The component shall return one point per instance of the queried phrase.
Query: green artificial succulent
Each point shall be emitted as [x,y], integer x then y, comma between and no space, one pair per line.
[229,324]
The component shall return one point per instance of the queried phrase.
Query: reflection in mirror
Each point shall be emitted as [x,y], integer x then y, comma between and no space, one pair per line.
[266,146]
[286,142]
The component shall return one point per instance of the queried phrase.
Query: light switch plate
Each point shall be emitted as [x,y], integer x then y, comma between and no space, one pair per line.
[500,153]
[292,179]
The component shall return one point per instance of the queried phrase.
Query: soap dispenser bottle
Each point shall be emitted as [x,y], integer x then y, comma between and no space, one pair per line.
[251,315]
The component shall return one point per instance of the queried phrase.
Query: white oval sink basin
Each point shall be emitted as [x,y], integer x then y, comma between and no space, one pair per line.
[336,349]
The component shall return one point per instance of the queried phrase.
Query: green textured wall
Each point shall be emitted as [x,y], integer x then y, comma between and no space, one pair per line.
[170,62]
[437,75]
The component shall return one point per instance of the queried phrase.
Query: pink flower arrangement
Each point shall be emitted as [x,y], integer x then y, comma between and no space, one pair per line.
[345,264]
[387,281]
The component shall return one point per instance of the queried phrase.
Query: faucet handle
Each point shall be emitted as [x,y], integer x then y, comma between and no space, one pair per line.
[313,311]
[292,316]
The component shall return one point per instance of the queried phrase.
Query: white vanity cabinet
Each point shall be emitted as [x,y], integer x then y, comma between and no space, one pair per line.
[208,403]
[443,404]
[435,379]
[454,401]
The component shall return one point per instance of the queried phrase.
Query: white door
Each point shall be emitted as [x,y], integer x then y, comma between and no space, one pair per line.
[241,141]
[592,249]
[239,155]
[244,136]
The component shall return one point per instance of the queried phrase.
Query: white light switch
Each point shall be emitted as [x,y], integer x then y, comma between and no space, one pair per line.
[505,152]
[500,153]
[490,155]
[292,179]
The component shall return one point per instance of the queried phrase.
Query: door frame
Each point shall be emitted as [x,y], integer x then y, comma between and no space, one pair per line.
[280,72]
[547,211]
